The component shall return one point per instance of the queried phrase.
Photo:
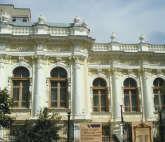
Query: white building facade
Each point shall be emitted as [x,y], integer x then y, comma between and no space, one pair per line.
[57,65]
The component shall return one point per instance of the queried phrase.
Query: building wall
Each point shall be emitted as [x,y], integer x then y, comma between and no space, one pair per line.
[40,50]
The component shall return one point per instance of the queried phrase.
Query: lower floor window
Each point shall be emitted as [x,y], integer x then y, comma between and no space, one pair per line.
[99,100]
[21,93]
[58,97]
[159,100]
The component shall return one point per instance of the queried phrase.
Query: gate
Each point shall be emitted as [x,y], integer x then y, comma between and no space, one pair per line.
[128,131]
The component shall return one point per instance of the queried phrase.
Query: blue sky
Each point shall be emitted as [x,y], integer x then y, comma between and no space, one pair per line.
[126,18]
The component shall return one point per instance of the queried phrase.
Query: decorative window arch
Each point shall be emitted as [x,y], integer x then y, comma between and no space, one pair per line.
[130,91]
[100,93]
[56,84]
[20,87]
[159,97]
[10,77]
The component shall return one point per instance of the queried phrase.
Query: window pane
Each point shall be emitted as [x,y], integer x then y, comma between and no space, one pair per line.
[62,84]
[95,91]
[24,104]
[157,108]
[53,104]
[25,72]
[25,83]
[102,83]
[126,83]
[127,108]
[15,104]
[16,83]
[126,92]
[62,73]
[53,84]
[155,91]
[54,73]
[103,91]
[163,107]
[134,101]
[53,94]
[158,82]
[62,104]
[16,94]
[96,100]
[103,108]
[103,100]
[132,83]
[126,100]
[134,108]
[25,93]
[162,100]
[62,94]
[96,109]
[17,72]
[156,100]
[96,82]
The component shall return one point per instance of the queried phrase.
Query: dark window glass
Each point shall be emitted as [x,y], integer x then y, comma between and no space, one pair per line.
[21,72]
[158,82]
[99,95]
[129,82]
[58,72]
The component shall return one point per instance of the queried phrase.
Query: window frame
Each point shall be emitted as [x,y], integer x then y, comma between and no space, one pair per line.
[159,94]
[21,79]
[130,89]
[58,80]
[99,88]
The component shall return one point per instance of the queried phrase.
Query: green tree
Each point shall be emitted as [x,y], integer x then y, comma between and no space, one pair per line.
[6,103]
[44,129]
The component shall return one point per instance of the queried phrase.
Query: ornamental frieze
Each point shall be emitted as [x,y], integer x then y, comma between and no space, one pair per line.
[98,61]
[21,47]
[58,48]
[157,62]
[129,62]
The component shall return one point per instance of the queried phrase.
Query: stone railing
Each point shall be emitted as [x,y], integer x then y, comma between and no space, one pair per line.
[58,31]
[157,48]
[100,47]
[128,47]
[22,30]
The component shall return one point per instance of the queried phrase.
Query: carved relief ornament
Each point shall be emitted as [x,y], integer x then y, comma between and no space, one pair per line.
[58,48]
[21,47]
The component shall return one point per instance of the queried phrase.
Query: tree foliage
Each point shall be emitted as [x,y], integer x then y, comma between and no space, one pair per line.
[6,103]
[44,129]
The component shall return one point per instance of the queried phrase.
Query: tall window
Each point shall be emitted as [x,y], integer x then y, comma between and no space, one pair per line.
[131,102]
[159,97]
[20,89]
[100,99]
[58,94]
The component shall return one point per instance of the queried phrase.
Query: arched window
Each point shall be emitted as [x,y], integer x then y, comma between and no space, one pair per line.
[100,99]
[159,97]
[58,92]
[20,89]
[131,101]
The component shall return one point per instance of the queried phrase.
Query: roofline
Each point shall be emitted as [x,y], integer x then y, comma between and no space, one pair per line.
[17,8]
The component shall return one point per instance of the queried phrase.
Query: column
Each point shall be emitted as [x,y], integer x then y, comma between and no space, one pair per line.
[38,86]
[77,88]
[148,105]
[116,95]
[2,76]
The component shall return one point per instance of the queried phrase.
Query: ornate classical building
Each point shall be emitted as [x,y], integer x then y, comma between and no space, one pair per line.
[57,65]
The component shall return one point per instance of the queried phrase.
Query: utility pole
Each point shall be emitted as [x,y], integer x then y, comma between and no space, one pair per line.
[69,126]
[161,126]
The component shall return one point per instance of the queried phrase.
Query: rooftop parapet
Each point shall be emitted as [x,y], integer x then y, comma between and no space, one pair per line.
[41,27]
